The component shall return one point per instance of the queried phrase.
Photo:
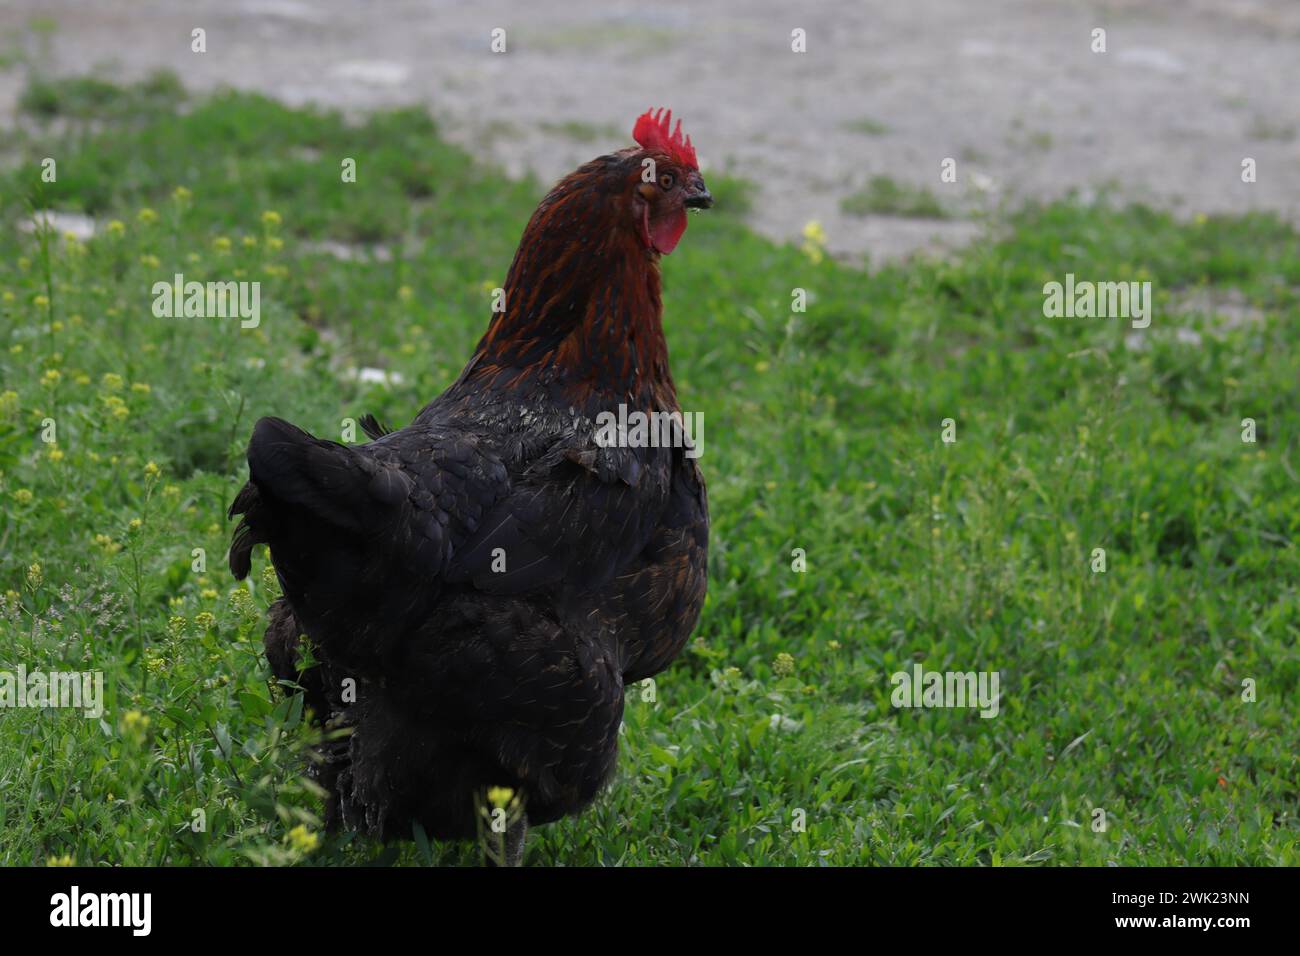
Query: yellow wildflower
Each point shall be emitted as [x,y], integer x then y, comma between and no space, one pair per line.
[242,601]
[783,666]
[814,244]
[302,839]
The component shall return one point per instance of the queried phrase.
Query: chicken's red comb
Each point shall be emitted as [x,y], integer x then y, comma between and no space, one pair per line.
[652,132]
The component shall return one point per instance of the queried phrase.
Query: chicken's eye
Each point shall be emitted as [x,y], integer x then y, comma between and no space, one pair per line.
[666,180]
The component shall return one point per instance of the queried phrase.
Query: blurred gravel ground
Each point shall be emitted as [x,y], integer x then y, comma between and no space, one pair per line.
[1009,88]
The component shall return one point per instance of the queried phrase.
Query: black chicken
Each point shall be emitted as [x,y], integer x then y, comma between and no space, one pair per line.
[479,586]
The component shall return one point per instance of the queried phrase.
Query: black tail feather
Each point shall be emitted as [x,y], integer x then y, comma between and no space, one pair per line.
[371,426]
[246,503]
[326,479]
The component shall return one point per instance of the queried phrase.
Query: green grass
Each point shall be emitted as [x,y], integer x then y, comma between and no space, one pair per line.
[581,132]
[884,196]
[88,97]
[1120,691]
[867,127]
[1265,128]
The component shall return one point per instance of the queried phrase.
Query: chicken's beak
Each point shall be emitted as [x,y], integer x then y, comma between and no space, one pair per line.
[698,195]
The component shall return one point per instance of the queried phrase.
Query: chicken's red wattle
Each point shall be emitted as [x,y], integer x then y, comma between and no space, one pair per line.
[667,230]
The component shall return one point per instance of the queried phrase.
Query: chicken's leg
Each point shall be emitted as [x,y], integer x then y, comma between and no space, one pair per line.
[507,848]
[516,837]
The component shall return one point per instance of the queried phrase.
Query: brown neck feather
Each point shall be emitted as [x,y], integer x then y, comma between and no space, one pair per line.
[582,299]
